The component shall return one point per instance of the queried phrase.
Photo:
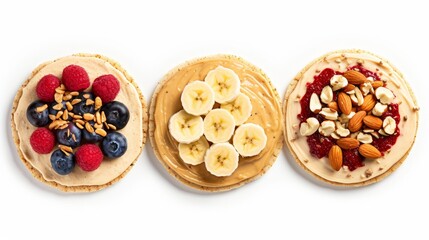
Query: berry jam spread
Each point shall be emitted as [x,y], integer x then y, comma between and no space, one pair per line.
[319,144]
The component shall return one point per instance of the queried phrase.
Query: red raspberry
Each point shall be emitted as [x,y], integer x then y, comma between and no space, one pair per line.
[106,87]
[42,140]
[75,78]
[89,157]
[45,88]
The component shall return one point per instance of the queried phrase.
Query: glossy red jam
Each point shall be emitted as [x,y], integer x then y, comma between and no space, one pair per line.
[319,144]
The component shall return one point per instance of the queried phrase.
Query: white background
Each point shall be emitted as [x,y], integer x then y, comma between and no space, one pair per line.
[149,39]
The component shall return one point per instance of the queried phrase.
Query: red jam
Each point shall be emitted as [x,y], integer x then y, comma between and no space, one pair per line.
[319,144]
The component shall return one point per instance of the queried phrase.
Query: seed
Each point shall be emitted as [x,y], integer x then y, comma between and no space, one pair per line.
[52,117]
[107,125]
[103,117]
[58,106]
[53,124]
[76,101]
[98,117]
[68,132]
[59,114]
[66,115]
[77,116]
[71,114]
[88,116]
[86,95]
[67,97]
[89,102]
[66,148]
[69,106]
[79,121]
[58,97]
[79,126]
[74,94]
[63,126]
[65,152]
[98,103]
[42,108]
[89,128]
[62,87]
[100,132]
[98,125]
[59,90]
[111,126]
[74,137]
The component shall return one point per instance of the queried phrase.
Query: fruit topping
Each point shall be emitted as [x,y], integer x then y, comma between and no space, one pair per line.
[106,87]
[221,159]
[70,136]
[38,113]
[62,163]
[42,141]
[84,103]
[193,153]
[186,128]
[225,84]
[75,78]
[114,145]
[197,98]
[46,86]
[116,113]
[249,139]
[219,126]
[89,157]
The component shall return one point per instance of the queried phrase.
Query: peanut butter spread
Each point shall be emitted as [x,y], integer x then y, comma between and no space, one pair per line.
[373,169]
[109,169]
[266,112]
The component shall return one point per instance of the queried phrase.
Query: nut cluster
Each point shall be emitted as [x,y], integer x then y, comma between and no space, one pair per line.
[354,119]
[65,115]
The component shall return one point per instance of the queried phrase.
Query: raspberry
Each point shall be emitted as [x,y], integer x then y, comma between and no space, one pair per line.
[89,157]
[45,88]
[106,87]
[42,140]
[75,78]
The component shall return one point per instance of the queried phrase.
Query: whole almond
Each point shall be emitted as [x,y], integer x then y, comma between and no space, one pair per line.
[368,103]
[377,84]
[369,151]
[355,124]
[348,143]
[355,77]
[373,122]
[344,103]
[333,106]
[349,87]
[335,157]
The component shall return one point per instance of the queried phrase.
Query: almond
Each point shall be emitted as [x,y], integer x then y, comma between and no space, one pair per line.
[348,143]
[336,157]
[368,103]
[344,103]
[377,84]
[356,122]
[369,151]
[373,122]
[355,77]
[349,88]
[333,106]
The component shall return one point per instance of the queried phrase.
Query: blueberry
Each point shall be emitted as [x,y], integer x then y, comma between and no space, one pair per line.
[37,119]
[61,163]
[117,114]
[65,136]
[114,145]
[81,107]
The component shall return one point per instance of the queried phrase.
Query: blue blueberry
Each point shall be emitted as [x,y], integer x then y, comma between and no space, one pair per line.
[114,145]
[91,137]
[117,114]
[37,119]
[65,136]
[81,107]
[61,163]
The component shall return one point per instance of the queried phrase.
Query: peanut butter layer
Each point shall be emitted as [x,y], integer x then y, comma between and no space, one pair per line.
[373,169]
[109,170]
[266,112]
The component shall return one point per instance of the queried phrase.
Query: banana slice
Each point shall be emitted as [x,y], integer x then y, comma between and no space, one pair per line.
[219,125]
[240,108]
[221,159]
[249,139]
[197,98]
[225,84]
[193,153]
[186,128]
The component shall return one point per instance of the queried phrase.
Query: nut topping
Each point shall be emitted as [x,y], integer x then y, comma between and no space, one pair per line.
[327,128]
[384,95]
[364,138]
[337,82]
[326,95]
[307,128]
[389,125]
[327,113]
[379,109]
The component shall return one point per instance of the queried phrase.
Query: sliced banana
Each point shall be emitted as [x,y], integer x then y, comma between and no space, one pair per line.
[221,159]
[225,84]
[186,128]
[197,98]
[249,139]
[219,125]
[240,108]
[193,153]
